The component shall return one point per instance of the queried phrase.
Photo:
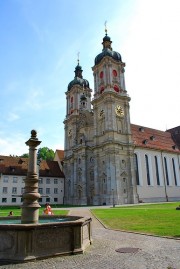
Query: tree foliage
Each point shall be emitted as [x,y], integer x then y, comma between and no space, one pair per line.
[24,155]
[46,154]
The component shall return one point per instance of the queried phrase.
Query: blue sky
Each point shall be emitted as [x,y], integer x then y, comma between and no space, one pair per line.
[39,42]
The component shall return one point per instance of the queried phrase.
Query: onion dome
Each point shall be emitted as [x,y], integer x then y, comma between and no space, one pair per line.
[78,79]
[107,51]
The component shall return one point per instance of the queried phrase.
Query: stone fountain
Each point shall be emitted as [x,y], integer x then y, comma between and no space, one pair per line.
[31,239]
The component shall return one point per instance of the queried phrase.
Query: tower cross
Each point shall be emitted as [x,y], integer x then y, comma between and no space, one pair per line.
[105,24]
[78,57]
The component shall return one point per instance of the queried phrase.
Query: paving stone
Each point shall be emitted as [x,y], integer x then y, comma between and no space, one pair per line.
[153,253]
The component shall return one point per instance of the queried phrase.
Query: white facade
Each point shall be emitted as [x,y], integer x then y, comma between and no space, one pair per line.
[11,189]
[14,169]
[164,178]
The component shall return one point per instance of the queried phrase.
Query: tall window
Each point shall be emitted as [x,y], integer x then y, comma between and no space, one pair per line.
[56,190]
[40,190]
[157,171]
[14,190]
[166,171]
[40,180]
[137,170]
[15,179]
[147,170]
[5,179]
[174,171]
[47,190]
[47,180]
[55,181]
[5,189]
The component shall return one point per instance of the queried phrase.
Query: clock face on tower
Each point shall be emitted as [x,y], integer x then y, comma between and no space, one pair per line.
[119,111]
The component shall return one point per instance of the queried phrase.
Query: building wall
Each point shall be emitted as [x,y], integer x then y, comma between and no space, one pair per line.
[168,187]
[13,188]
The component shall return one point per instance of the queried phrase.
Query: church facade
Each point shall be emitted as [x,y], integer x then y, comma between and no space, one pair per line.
[108,160]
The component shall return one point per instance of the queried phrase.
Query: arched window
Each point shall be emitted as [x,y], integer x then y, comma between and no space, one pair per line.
[174,171]
[137,170]
[157,171]
[147,170]
[166,170]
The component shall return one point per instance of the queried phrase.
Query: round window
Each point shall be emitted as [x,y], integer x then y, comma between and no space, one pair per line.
[114,73]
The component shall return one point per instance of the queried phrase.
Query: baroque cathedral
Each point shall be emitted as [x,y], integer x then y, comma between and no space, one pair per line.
[108,160]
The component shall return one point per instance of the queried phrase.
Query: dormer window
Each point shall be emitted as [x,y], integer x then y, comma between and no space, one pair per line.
[12,169]
[47,170]
[175,147]
[145,141]
[152,137]
[141,129]
[20,161]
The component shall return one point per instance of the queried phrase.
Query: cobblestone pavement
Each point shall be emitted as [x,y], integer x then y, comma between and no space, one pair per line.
[153,253]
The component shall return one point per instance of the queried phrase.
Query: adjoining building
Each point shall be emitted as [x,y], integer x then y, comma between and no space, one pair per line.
[107,159]
[13,171]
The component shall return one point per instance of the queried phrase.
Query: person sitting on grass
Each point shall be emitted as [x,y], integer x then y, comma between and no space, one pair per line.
[10,214]
[48,210]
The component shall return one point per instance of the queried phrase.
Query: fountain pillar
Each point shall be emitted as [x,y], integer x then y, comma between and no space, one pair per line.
[30,206]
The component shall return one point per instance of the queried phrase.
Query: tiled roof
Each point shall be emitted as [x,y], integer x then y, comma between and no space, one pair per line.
[151,138]
[18,166]
[175,132]
[60,154]
[50,169]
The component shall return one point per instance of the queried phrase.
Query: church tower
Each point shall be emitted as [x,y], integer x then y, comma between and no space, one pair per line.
[114,175]
[98,162]
[78,135]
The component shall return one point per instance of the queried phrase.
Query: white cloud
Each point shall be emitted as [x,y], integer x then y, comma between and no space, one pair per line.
[14,145]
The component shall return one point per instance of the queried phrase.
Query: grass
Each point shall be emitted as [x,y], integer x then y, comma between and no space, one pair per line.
[155,219]
[4,211]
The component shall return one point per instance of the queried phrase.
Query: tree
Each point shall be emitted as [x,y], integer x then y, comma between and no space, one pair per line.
[25,155]
[46,154]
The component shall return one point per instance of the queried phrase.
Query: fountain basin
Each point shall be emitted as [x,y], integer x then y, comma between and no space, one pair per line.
[24,242]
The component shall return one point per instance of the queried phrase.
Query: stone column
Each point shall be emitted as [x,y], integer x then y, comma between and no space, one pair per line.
[30,206]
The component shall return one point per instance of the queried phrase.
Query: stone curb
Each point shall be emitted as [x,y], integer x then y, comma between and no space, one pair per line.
[124,231]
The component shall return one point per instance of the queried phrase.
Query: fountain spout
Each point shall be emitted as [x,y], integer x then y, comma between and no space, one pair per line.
[30,206]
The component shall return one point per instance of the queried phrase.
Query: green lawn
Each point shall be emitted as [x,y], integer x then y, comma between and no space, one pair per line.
[4,211]
[156,219]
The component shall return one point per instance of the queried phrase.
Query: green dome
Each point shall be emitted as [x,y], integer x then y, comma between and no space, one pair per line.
[78,79]
[107,51]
